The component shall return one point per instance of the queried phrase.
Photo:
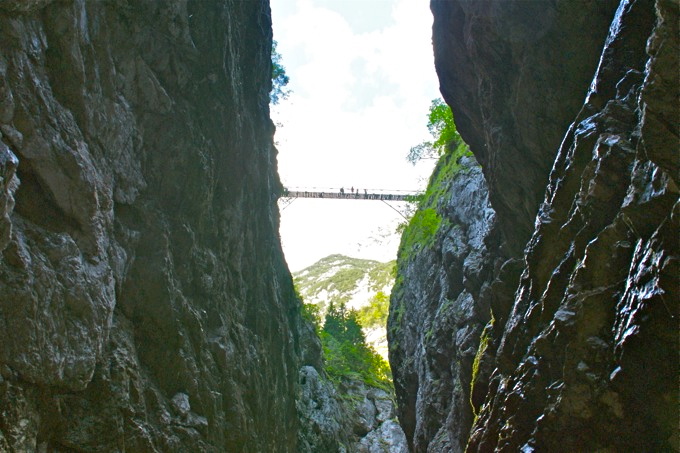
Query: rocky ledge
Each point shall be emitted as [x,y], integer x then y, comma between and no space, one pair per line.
[351,417]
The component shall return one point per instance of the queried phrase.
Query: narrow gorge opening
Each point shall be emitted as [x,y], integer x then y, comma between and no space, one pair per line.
[145,299]
[469,334]
[360,128]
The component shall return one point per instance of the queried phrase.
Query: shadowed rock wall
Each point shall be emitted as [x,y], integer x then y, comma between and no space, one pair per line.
[587,359]
[515,74]
[144,301]
[572,110]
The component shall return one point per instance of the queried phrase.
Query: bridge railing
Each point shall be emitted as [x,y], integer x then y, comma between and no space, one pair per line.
[363,194]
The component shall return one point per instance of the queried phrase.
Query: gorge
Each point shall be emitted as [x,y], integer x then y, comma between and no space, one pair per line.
[145,301]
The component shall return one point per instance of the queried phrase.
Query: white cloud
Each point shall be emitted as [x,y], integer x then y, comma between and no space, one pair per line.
[359,102]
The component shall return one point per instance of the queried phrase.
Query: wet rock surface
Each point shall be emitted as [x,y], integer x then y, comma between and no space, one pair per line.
[600,283]
[144,299]
[515,74]
[578,137]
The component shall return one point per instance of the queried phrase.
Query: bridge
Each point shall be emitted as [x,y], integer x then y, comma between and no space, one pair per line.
[341,194]
[292,194]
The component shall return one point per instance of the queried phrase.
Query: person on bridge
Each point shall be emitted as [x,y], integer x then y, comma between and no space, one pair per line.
[352,189]
[342,190]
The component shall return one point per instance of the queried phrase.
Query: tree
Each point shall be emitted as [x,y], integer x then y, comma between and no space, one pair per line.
[334,321]
[375,313]
[345,350]
[353,333]
[442,129]
[279,78]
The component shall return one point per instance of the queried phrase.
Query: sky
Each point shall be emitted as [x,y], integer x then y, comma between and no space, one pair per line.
[362,78]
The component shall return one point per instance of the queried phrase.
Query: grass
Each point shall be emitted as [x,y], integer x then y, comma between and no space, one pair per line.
[421,231]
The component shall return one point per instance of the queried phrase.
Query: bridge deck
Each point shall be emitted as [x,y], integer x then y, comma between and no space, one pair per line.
[350,196]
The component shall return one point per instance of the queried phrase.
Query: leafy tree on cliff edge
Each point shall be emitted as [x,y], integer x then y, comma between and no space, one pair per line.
[443,130]
[279,78]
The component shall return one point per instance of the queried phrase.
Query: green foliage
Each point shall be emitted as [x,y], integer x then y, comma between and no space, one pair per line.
[443,130]
[312,313]
[421,230]
[279,78]
[375,313]
[441,126]
[345,350]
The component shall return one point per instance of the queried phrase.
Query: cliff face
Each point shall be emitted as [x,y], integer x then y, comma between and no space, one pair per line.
[437,312]
[349,417]
[144,300]
[515,74]
[572,110]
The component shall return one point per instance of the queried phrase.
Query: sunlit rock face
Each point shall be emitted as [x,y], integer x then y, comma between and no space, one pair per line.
[438,309]
[346,417]
[144,300]
[572,110]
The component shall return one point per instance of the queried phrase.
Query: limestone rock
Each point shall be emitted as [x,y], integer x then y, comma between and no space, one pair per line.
[146,305]
[515,74]
[437,312]
[577,134]
[352,417]
[571,371]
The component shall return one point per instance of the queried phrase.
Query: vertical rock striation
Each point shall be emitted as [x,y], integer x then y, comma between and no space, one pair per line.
[438,309]
[588,357]
[571,109]
[144,301]
[515,74]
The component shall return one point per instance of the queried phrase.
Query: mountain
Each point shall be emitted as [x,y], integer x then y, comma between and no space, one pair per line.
[355,282]
[340,408]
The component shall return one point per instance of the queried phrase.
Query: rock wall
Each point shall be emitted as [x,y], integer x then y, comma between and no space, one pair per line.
[349,417]
[572,110]
[438,310]
[144,301]
[515,74]
[587,359]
